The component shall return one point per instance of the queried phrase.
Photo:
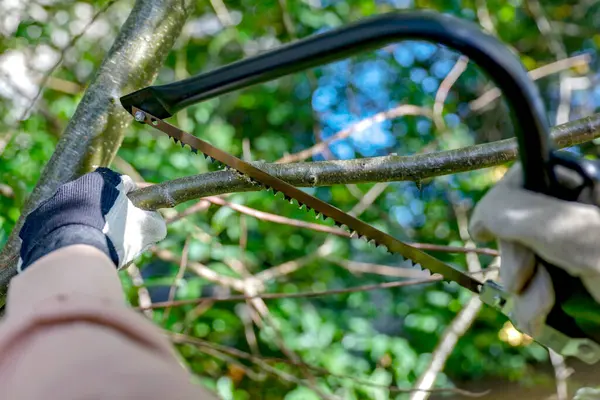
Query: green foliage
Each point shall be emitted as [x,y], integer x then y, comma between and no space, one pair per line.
[367,341]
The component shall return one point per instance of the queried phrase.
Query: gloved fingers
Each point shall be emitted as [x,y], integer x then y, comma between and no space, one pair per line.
[534,303]
[587,394]
[128,183]
[592,284]
[517,266]
[530,284]
[552,228]
[154,227]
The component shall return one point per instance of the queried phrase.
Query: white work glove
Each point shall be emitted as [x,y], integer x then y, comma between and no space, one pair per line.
[587,394]
[566,234]
[94,210]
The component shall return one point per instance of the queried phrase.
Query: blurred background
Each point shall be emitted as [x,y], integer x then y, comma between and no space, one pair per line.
[406,98]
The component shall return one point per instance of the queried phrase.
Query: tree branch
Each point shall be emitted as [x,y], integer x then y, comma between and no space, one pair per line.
[440,97]
[396,112]
[375,169]
[96,130]
[459,326]
[299,295]
[557,66]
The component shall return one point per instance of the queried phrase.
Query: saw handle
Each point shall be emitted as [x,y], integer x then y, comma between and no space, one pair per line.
[575,312]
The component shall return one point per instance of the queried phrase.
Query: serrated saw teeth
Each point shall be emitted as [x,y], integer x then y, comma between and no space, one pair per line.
[358,228]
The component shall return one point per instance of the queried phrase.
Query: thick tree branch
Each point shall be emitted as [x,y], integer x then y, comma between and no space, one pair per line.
[96,130]
[376,169]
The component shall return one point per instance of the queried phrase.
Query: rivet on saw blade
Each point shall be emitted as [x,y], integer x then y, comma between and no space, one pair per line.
[140,116]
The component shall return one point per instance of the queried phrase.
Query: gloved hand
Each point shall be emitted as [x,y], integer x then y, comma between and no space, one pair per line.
[94,210]
[566,234]
[587,394]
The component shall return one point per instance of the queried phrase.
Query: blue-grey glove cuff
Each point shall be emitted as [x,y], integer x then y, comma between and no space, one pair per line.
[67,236]
[61,220]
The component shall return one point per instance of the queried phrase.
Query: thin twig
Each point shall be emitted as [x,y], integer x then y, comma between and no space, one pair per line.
[561,375]
[260,306]
[289,267]
[201,205]
[556,46]
[396,112]
[460,210]
[454,249]
[179,338]
[444,348]
[459,325]
[128,169]
[144,299]
[222,12]
[178,276]
[483,14]
[278,219]
[192,316]
[552,68]
[299,295]
[385,270]
[368,199]
[201,270]
[243,311]
[261,361]
[442,93]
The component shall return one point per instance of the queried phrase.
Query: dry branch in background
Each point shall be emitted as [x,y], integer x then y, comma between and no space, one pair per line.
[298,295]
[396,112]
[178,277]
[264,363]
[440,97]
[557,66]
[96,130]
[144,299]
[461,323]
[375,169]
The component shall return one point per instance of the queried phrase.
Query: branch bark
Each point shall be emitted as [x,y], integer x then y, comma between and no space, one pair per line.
[96,131]
[375,169]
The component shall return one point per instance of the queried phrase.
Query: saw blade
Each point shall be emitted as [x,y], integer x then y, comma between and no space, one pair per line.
[355,225]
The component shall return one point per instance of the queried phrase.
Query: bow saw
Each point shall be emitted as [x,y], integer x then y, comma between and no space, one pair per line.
[573,326]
